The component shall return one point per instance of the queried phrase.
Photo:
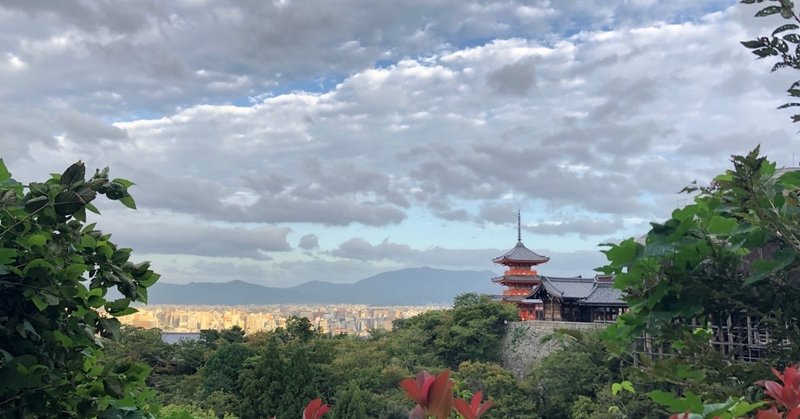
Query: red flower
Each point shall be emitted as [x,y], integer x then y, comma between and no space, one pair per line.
[434,395]
[315,409]
[475,408]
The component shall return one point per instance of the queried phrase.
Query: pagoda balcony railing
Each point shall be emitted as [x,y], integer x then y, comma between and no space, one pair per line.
[516,292]
[521,272]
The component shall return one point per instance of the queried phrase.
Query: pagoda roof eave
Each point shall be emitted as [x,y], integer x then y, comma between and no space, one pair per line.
[522,255]
[518,279]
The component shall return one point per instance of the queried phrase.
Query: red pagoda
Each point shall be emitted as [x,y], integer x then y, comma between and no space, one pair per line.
[521,277]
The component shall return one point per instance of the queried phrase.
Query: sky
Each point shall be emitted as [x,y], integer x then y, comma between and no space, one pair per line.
[279,142]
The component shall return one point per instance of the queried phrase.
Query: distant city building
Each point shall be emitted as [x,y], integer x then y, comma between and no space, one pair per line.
[539,297]
[353,319]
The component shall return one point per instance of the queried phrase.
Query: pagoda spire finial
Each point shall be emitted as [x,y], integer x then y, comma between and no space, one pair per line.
[519,227]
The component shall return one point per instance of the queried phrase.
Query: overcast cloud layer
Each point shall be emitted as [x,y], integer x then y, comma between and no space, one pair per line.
[279,142]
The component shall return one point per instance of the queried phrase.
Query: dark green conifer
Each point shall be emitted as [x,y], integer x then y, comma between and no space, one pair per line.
[349,403]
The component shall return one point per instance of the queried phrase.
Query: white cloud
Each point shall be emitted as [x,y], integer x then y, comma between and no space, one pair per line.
[347,120]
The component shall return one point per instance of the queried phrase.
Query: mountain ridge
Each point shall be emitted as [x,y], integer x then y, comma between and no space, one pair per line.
[410,286]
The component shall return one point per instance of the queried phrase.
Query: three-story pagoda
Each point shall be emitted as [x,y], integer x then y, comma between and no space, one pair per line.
[520,277]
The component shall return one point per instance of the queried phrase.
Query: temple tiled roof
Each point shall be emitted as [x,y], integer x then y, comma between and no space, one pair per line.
[604,294]
[575,288]
[521,254]
[589,291]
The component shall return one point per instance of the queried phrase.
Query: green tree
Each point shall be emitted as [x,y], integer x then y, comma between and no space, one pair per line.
[222,369]
[579,369]
[54,274]
[233,335]
[474,332]
[261,383]
[731,252]
[299,328]
[176,411]
[143,345]
[349,403]
[279,381]
[512,398]
[299,383]
[209,337]
[467,299]
[412,342]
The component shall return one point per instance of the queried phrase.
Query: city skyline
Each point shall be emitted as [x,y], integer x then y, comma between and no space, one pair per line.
[352,319]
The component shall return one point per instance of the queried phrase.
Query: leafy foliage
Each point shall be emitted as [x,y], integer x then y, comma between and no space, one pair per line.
[349,403]
[577,370]
[732,252]
[512,398]
[221,372]
[783,43]
[54,274]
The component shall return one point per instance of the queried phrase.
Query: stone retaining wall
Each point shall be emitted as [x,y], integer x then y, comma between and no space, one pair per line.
[527,342]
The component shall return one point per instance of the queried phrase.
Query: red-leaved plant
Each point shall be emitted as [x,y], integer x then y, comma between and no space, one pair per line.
[433,394]
[475,408]
[434,397]
[785,394]
[315,409]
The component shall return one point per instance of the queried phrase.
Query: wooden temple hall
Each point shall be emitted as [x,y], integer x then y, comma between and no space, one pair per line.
[540,297]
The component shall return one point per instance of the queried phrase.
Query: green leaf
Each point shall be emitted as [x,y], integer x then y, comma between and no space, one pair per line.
[63,339]
[121,256]
[38,239]
[104,250]
[149,279]
[742,407]
[623,253]
[141,294]
[4,173]
[67,202]
[88,242]
[753,44]
[716,409]
[35,204]
[80,215]
[92,208]
[763,268]
[783,28]
[73,174]
[628,386]
[50,299]
[113,386]
[125,311]
[687,373]
[689,403]
[37,268]
[720,225]
[616,388]
[110,327]
[117,305]
[24,329]
[7,256]
[128,201]
[124,182]
[771,10]
[39,302]
[792,37]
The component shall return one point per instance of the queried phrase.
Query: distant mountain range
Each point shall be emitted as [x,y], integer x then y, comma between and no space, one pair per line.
[416,286]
